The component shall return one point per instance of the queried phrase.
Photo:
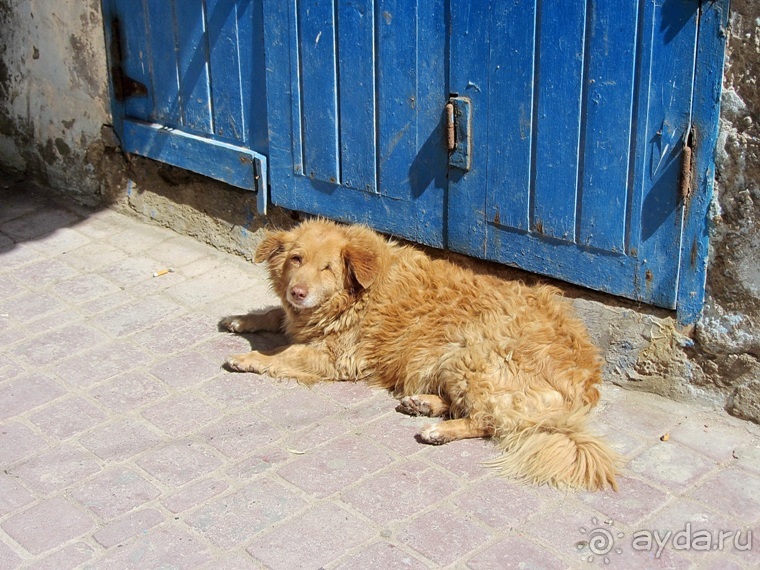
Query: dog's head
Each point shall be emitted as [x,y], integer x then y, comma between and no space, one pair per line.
[318,260]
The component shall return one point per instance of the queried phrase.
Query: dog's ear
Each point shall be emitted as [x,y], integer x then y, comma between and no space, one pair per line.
[362,255]
[272,244]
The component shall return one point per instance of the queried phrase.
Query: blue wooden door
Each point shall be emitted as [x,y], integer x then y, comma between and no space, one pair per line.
[356,90]
[581,115]
[189,86]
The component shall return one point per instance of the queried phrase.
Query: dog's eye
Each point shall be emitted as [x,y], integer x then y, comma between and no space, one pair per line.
[296,260]
[327,267]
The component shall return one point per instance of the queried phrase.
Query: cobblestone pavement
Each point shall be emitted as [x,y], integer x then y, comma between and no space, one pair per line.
[124,444]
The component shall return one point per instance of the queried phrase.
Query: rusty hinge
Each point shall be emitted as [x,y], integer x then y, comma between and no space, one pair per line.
[123,85]
[687,164]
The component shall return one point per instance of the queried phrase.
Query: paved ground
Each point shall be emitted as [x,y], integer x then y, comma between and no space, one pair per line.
[123,444]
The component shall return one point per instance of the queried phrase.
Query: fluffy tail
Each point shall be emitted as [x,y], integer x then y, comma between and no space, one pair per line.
[557,450]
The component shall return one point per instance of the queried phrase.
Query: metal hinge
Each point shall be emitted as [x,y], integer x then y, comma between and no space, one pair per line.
[458,132]
[687,164]
[123,85]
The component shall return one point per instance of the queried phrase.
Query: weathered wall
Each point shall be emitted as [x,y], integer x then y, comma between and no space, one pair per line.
[54,112]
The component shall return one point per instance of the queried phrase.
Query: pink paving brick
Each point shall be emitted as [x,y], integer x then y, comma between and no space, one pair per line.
[515,552]
[13,495]
[261,461]
[400,492]
[715,440]
[26,393]
[40,222]
[235,390]
[748,457]
[56,469]
[233,519]
[210,286]
[69,557]
[114,493]
[671,464]
[331,467]
[398,433]
[16,442]
[8,559]
[324,534]
[634,500]
[316,434]
[194,494]
[9,287]
[47,525]
[104,362]
[134,239]
[67,417]
[82,288]
[296,409]
[240,435]
[43,273]
[465,457]
[179,462]
[177,334]
[640,416]
[733,491]
[123,529]
[185,370]
[57,345]
[138,316]
[159,547]
[127,392]
[382,556]
[23,308]
[499,503]
[345,393]
[443,536]
[120,440]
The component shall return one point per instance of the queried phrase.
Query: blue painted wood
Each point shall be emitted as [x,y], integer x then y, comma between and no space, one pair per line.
[706,113]
[203,65]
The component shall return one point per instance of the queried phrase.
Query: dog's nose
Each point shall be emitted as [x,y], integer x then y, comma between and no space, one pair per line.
[299,292]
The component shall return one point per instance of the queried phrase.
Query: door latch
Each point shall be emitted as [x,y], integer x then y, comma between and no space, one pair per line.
[458,132]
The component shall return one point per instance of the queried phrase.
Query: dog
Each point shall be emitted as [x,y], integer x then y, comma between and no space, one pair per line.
[495,358]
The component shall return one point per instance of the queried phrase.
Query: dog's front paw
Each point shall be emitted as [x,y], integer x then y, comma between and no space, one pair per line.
[431,434]
[248,362]
[413,406]
[232,324]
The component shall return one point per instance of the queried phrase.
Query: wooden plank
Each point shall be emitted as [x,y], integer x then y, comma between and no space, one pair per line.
[356,78]
[163,63]
[604,190]
[510,111]
[319,97]
[192,45]
[133,29]
[225,70]
[253,73]
[559,70]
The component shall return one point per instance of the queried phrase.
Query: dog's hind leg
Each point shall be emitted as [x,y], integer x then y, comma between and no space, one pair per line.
[423,405]
[451,430]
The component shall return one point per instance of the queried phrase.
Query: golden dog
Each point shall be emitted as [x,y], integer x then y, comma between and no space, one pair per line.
[497,358]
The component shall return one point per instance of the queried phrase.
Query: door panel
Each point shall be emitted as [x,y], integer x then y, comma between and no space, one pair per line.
[580,115]
[356,93]
[199,100]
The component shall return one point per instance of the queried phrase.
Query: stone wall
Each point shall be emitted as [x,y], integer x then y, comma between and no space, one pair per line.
[54,117]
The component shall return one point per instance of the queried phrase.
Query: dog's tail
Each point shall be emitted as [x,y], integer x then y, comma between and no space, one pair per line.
[557,450]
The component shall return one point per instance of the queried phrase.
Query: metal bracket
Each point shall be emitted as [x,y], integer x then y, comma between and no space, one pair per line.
[686,164]
[458,132]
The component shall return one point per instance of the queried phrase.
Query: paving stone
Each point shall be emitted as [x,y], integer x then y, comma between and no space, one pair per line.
[128,392]
[239,435]
[132,318]
[732,491]
[715,440]
[185,370]
[499,503]
[400,492]
[26,393]
[51,347]
[443,536]
[9,369]
[120,439]
[234,519]
[640,416]
[335,465]
[177,334]
[101,363]
[672,465]
[67,417]
[13,495]
[296,409]
[194,495]
[9,286]
[263,460]
[748,457]
[398,432]
[204,289]
[115,492]
[179,462]
[56,469]
[178,251]
[83,288]
[515,552]
[314,435]
[464,457]
[60,242]
[382,556]
[232,391]
[42,273]
[94,257]
[18,441]
[324,534]
[19,256]
[23,308]
[181,414]
[41,222]
[8,559]
[633,501]
[159,547]
[33,528]
[123,529]
[69,557]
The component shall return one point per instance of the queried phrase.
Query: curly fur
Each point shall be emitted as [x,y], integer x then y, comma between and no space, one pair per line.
[497,357]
